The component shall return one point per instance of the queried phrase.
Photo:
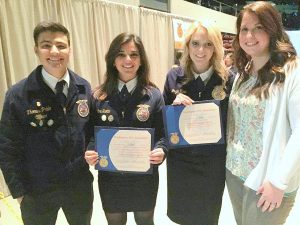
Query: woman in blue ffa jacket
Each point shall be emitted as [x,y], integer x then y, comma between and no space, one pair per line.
[128,99]
[196,174]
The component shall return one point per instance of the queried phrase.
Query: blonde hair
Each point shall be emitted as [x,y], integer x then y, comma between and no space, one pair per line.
[216,61]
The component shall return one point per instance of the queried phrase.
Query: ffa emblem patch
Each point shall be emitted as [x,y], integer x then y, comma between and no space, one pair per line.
[218,93]
[143,113]
[83,108]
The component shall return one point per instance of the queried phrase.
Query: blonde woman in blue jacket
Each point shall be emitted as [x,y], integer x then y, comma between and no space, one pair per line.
[196,174]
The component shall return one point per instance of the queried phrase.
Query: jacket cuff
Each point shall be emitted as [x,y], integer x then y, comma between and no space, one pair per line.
[279,184]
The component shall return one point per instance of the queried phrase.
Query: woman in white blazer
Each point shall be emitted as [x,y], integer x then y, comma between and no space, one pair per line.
[263,132]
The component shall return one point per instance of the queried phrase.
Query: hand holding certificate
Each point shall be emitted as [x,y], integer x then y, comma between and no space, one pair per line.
[124,149]
[199,123]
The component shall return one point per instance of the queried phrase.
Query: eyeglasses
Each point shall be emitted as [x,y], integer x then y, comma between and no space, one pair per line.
[132,56]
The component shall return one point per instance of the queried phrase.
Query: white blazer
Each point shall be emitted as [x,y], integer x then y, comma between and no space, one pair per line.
[280,158]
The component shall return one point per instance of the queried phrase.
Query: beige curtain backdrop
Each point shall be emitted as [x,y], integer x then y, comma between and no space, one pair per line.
[157,35]
[92,24]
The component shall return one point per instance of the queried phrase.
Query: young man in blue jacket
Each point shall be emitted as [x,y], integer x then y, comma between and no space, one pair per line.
[43,133]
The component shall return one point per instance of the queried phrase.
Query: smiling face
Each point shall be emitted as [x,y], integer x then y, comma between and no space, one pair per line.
[253,39]
[201,50]
[128,61]
[53,51]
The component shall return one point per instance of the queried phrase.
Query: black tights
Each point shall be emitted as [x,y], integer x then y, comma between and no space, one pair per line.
[141,218]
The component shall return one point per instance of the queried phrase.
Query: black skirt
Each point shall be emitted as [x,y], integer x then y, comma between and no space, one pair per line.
[122,192]
[196,181]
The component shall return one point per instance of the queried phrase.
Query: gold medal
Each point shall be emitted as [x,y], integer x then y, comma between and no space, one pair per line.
[83,108]
[174,139]
[143,113]
[103,161]
[38,104]
[110,118]
[218,93]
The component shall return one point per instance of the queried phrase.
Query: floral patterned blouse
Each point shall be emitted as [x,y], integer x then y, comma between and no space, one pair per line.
[244,129]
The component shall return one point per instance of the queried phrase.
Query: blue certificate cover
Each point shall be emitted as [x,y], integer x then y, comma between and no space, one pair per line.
[196,124]
[124,149]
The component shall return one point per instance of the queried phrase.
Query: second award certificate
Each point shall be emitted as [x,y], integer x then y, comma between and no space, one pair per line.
[124,149]
[196,124]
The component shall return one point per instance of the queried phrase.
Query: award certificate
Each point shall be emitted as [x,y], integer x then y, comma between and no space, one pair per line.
[196,124]
[124,149]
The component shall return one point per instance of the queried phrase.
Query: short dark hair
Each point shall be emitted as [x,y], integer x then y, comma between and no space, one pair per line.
[45,26]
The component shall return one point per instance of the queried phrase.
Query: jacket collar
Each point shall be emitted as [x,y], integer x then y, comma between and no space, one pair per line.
[36,83]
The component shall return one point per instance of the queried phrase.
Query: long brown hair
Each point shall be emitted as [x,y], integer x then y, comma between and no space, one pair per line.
[111,75]
[281,48]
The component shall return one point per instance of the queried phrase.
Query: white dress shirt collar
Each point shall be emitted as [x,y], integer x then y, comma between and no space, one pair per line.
[51,81]
[204,76]
[131,85]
